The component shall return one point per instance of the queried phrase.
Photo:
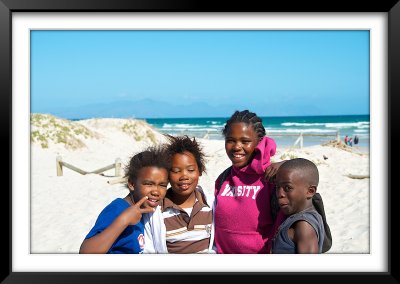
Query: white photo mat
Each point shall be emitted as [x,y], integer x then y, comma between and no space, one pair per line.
[24,261]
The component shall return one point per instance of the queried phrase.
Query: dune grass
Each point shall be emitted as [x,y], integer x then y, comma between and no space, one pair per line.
[46,129]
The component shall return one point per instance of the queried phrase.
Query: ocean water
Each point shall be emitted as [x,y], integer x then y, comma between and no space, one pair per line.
[285,130]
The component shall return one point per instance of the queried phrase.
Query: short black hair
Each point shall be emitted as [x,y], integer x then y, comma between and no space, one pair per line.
[306,167]
[180,144]
[249,118]
[153,156]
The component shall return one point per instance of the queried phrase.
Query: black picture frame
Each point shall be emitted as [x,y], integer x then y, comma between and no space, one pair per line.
[8,7]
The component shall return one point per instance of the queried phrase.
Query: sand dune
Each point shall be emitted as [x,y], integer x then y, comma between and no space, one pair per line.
[64,208]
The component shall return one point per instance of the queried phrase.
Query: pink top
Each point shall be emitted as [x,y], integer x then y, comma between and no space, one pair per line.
[243,221]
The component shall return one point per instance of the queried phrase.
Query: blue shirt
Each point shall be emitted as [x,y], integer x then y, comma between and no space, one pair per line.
[131,239]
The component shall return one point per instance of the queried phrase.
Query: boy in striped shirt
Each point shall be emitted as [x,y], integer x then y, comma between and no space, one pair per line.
[187,216]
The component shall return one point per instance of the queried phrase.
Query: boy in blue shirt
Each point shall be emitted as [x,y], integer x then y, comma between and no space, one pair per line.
[119,227]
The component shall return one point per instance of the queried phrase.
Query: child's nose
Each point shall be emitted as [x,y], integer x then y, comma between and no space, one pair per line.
[183,176]
[280,192]
[236,146]
[155,191]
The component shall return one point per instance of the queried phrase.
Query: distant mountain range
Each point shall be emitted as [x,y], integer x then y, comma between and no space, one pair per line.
[149,108]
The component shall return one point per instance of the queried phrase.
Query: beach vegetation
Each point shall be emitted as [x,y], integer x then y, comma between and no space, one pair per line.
[41,138]
[288,156]
[46,129]
[139,130]
[151,136]
[306,154]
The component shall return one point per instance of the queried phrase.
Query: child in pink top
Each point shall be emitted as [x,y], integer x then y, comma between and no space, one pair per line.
[242,213]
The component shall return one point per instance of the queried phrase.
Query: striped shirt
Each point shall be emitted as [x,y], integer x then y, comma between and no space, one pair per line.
[184,233]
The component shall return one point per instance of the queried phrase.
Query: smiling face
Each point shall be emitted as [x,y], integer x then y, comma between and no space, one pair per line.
[184,174]
[293,191]
[151,182]
[240,142]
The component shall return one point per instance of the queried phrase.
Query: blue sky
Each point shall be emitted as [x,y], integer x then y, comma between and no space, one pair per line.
[274,73]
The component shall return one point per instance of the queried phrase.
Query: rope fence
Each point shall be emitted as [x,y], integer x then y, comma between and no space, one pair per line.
[60,164]
[299,141]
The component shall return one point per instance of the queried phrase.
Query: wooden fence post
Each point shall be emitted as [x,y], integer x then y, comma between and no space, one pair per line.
[301,140]
[297,140]
[117,167]
[59,166]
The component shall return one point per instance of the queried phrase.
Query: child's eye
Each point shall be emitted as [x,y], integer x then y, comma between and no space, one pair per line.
[164,185]
[287,188]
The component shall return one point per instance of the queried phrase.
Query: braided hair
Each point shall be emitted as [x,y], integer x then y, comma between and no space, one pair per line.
[250,118]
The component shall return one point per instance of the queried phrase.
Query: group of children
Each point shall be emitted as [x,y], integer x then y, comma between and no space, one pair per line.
[153,218]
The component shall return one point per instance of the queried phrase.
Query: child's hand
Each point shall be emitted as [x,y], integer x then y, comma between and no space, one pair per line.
[134,213]
[271,171]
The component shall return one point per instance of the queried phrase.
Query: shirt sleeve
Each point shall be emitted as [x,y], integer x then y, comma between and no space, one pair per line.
[105,218]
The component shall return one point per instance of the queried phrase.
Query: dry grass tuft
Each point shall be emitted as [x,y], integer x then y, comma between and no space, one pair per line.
[47,129]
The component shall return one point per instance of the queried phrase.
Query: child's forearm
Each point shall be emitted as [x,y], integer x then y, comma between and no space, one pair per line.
[102,242]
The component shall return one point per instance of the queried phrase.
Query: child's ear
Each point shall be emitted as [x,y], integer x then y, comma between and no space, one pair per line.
[312,189]
[130,186]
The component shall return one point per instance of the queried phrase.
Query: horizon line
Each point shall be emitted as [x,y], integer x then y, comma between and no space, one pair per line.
[266,116]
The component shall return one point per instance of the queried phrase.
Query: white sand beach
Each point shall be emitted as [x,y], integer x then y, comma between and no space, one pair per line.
[64,208]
